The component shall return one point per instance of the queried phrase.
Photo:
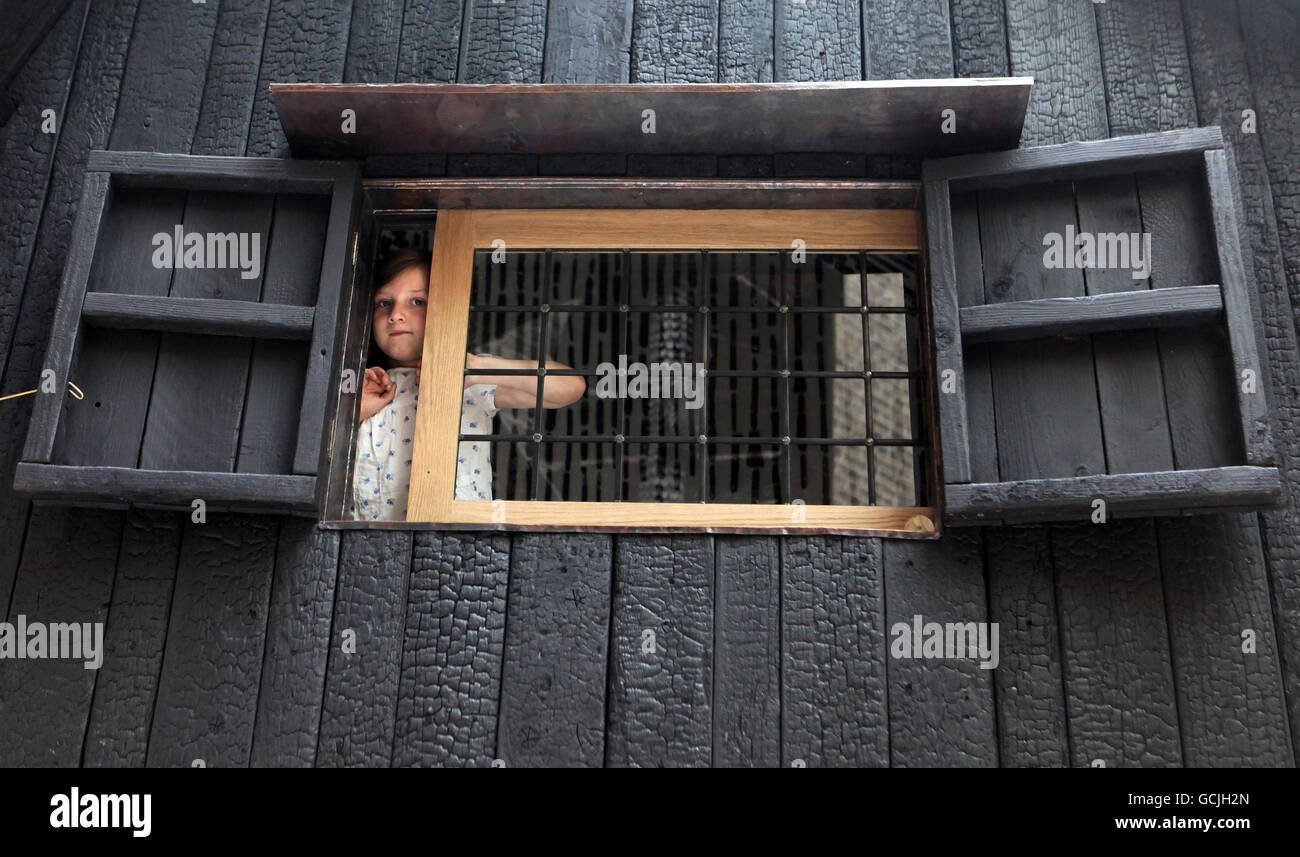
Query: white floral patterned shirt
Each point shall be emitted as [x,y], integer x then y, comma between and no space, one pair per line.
[382,473]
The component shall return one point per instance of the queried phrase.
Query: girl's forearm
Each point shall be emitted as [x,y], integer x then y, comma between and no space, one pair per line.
[556,394]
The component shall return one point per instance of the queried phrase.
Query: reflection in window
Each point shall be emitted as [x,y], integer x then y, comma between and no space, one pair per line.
[811,389]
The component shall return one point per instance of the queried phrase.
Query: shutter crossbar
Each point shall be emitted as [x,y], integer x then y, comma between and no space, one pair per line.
[1034,319]
[198,315]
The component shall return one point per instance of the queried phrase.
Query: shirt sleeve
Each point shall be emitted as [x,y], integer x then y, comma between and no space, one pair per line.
[488,396]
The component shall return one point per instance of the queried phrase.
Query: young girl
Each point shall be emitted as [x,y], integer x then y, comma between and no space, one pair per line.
[386,432]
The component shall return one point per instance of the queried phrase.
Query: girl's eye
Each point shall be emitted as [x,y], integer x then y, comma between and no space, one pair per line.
[418,301]
[383,302]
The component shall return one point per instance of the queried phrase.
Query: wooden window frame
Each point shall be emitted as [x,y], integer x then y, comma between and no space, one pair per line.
[459,232]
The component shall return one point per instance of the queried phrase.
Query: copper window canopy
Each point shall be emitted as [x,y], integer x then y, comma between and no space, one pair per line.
[923,118]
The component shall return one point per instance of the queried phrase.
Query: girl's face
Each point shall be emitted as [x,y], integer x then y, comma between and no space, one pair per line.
[399,317]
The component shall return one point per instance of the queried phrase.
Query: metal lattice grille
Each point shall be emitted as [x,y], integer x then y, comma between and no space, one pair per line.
[812,387]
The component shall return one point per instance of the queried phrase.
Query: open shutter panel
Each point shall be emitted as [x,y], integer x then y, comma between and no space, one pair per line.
[1124,383]
[212,374]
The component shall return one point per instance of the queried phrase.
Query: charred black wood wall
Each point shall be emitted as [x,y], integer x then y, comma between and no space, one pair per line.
[225,639]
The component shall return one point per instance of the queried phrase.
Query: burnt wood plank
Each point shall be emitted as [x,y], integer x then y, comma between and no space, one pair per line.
[1148,80]
[1144,57]
[305,40]
[1248,373]
[835,114]
[298,644]
[1269,28]
[1130,383]
[1071,316]
[33,267]
[1021,591]
[66,576]
[836,27]
[585,42]
[502,43]
[162,87]
[63,334]
[660,703]
[1075,160]
[834,699]
[1046,428]
[1118,677]
[365,650]
[212,661]
[1229,486]
[1022,600]
[954,428]
[432,38]
[374,40]
[747,691]
[907,39]
[745,45]
[941,712]
[979,37]
[117,735]
[556,651]
[450,691]
[42,82]
[1226,83]
[981,433]
[231,84]
[198,315]
[1227,666]
[26,27]
[674,42]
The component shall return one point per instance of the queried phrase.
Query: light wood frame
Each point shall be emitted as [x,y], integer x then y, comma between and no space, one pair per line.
[458,233]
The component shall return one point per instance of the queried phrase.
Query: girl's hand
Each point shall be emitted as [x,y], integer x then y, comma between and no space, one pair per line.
[377,390]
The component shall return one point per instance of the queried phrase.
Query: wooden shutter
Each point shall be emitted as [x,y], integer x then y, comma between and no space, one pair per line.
[209,383]
[1060,386]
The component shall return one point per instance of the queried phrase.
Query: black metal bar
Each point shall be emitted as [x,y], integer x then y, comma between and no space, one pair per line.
[741,439]
[620,406]
[787,468]
[541,378]
[720,373]
[866,359]
[702,342]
